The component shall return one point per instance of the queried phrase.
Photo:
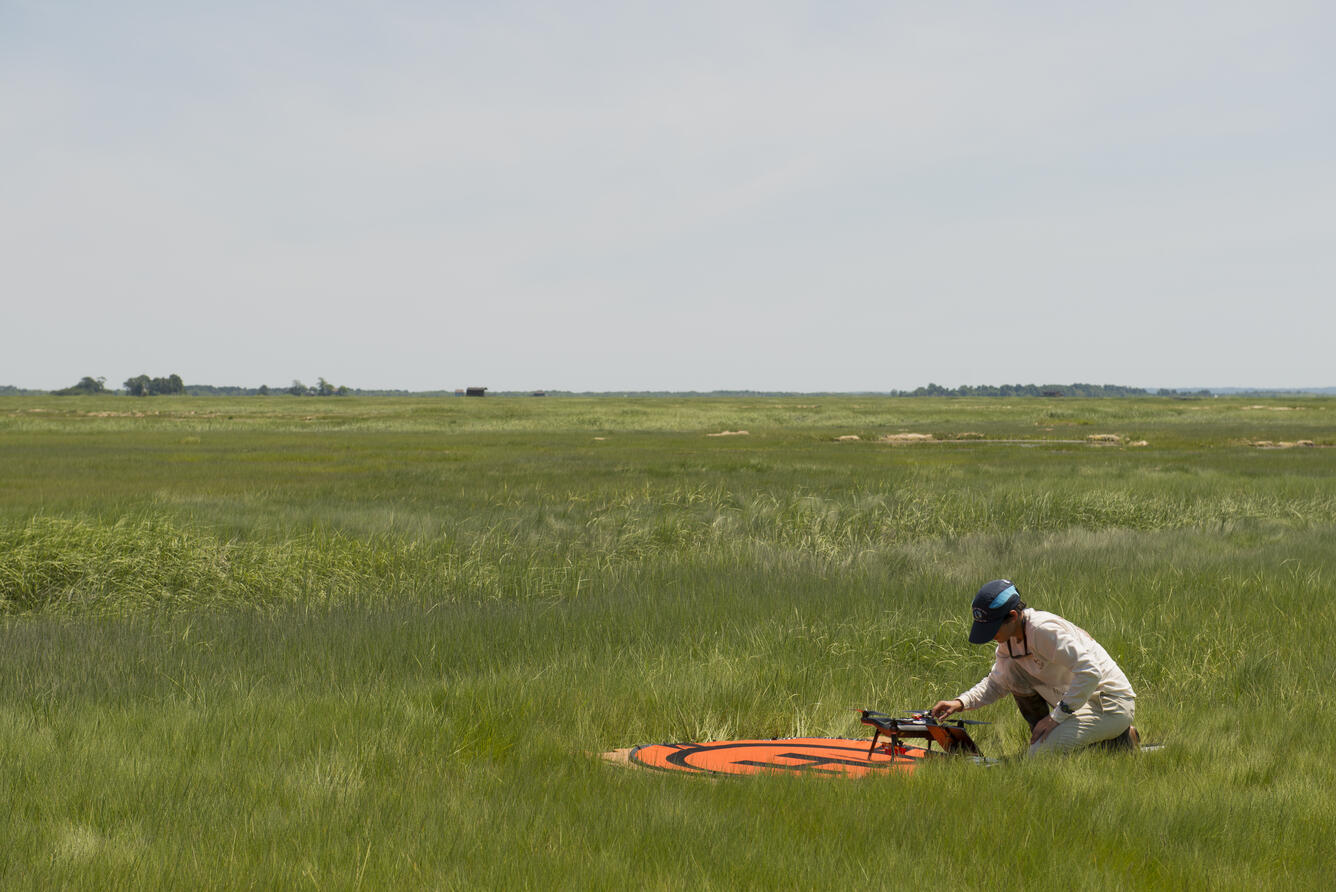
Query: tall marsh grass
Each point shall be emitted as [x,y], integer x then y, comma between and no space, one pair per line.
[152,559]
[377,650]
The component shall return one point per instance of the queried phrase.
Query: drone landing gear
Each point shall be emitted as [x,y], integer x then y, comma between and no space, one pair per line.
[951,736]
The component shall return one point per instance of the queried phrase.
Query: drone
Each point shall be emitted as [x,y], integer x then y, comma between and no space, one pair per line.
[920,724]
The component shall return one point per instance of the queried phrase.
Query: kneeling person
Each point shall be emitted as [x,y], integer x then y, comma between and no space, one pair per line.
[1067,687]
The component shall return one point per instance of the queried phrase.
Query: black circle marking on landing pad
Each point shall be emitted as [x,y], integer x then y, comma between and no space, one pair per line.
[828,756]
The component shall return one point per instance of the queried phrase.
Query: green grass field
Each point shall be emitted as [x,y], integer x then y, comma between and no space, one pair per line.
[370,643]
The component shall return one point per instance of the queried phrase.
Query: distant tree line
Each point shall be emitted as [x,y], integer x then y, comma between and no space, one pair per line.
[320,388]
[140,385]
[297,388]
[87,385]
[1014,390]
[143,385]
[214,390]
[1166,391]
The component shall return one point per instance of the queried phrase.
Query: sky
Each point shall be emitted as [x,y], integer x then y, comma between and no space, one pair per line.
[824,196]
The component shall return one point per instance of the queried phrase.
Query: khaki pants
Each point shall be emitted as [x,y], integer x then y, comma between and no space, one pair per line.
[1103,716]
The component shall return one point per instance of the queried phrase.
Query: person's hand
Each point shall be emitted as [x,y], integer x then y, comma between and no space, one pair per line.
[1042,728]
[943,708]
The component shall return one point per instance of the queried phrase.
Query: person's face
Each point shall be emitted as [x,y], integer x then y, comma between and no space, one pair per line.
[1009,627]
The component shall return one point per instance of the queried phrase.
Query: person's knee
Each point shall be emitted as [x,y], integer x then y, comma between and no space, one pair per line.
[1081,730]
[1062,739]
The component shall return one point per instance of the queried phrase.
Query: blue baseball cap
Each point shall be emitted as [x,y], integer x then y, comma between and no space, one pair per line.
[992,605]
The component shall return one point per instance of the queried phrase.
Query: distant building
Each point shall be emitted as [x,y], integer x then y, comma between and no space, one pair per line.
[539,393]
[1052,393]
[475,391]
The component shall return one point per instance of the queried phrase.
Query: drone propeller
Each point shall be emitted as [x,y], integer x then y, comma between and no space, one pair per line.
[916,715]
[927,713]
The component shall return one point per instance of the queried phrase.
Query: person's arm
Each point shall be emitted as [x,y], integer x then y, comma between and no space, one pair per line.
[989,690]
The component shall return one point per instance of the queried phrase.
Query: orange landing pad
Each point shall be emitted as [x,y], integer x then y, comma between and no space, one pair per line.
[834,756]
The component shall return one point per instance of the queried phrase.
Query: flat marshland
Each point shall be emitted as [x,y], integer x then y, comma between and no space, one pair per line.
[337,643]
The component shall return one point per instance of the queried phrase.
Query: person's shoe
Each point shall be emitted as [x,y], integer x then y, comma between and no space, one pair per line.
[1129,740]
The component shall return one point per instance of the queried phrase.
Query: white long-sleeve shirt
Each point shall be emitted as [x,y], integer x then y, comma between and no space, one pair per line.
[1059,659]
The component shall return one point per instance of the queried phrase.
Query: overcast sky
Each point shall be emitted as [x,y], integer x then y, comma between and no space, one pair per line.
[687,195]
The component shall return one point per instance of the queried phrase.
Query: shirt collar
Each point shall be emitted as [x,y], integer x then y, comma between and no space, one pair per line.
[1025,639]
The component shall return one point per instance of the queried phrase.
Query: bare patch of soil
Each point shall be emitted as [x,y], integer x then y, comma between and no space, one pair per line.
[1282,444]
[621,756]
